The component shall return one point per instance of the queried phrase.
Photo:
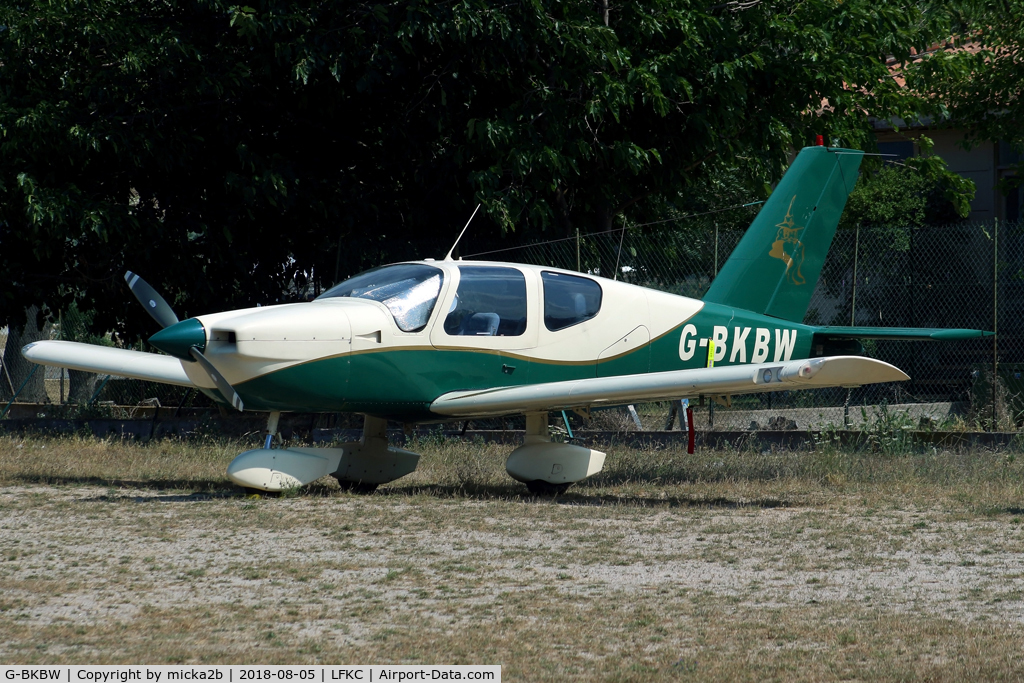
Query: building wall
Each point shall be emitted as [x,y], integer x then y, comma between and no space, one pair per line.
[981,163]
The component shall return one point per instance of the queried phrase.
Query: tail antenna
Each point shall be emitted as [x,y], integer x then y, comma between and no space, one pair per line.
[448,257]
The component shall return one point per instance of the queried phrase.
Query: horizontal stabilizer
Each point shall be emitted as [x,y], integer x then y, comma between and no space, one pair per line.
[812,373]
[903,333]
[108,361]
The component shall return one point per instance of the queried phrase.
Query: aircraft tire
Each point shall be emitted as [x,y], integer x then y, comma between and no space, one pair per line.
[539,487]
[356,486]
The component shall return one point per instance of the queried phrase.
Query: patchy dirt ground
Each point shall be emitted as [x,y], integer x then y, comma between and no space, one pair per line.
[893,564]
[550,589]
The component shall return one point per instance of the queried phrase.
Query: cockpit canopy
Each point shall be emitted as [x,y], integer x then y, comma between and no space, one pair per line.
[490,301]
[409,290]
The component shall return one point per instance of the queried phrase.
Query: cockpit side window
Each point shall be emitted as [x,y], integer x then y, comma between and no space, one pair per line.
[408,290]
[569,300]
[490,302]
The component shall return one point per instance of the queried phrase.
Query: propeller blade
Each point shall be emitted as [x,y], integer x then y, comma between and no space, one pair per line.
[150,300]
[225,389]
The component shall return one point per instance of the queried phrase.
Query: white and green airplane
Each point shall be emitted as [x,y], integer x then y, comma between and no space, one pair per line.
[432,341]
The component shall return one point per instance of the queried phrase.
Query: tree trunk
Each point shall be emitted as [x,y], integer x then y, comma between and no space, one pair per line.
[82,386]
[563,211]
[18,368]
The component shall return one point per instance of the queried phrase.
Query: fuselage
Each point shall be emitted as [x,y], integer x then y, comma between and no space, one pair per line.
[391,349]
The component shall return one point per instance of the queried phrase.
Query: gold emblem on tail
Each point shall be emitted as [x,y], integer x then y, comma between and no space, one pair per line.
[788,234]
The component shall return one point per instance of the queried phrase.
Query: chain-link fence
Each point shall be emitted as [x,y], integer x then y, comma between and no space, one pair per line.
[967,275]
[27,383]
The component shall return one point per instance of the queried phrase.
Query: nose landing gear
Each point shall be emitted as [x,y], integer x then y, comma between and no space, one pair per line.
[369,462]
[358,466]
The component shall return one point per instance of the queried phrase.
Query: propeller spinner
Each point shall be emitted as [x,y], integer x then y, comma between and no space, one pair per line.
[181,339]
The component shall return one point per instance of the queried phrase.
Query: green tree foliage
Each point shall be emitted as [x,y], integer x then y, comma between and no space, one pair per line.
[232,153]
[978,75]
[919,192]
[898,197]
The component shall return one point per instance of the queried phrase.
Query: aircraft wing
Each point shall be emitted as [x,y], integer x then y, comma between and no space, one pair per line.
[812,373]
[108,361]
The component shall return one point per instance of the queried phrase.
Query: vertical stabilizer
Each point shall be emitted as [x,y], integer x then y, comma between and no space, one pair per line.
[776,265]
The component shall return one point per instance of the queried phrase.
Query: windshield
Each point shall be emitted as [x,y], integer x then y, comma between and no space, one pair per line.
[408,290]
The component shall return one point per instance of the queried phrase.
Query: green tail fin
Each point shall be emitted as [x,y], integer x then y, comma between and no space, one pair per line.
[776,265]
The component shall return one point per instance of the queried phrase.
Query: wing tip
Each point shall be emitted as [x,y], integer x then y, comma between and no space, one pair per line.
[884,372]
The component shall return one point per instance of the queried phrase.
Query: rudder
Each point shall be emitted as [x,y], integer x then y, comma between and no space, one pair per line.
[776,265]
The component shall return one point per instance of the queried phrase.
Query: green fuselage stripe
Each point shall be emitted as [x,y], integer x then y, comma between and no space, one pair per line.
[401,384]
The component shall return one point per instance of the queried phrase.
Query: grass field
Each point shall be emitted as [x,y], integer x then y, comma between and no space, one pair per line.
[752,565]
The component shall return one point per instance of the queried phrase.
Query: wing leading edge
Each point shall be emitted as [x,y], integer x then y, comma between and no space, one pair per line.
[812,373]
[108,361]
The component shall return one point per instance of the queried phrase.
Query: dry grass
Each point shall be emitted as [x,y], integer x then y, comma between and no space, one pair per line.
[748,565]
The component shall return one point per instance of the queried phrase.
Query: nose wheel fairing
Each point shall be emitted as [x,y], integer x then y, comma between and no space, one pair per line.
[279,469]
[367,462]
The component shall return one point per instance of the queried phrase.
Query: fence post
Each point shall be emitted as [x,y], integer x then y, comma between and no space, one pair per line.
[60,335]
[13,398]
[337,261]
[618,255]
[578,269]
[913,308]
[853,302]
[995,316]
[853,319]
[6,373]
[97,393]
[716,248]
